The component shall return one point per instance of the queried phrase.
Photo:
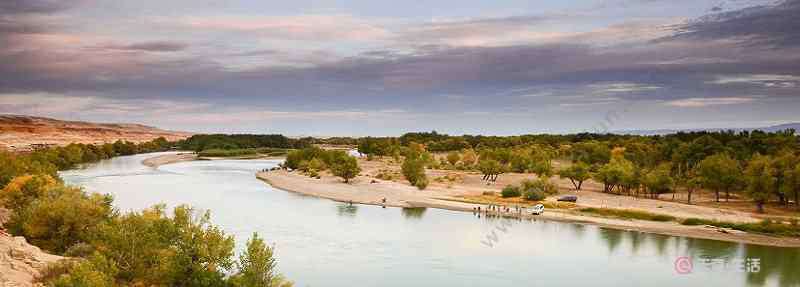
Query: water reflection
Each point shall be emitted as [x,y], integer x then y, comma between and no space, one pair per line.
[346,209]
[413,212]
[780,263]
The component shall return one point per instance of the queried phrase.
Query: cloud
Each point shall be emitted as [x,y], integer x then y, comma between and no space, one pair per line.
[770,25]
[622,87]
[155,46]
[765,80]
[705,102]
[302,27]
[36,6]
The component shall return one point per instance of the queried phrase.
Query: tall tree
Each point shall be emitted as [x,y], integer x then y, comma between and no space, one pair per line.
[576,173]
[719,172]
[760,180]
[346,167]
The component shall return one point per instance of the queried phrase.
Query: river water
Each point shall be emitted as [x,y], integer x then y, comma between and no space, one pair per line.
[325,243]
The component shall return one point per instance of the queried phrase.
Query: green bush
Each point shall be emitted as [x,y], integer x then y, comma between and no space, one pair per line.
[510,191]
[534,195]
[421,183]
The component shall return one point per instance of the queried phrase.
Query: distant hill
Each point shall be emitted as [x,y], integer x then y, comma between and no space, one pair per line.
[19,133]
[781,127]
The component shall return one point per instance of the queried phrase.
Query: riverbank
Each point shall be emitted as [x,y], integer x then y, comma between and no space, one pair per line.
[168,158]
[367,190]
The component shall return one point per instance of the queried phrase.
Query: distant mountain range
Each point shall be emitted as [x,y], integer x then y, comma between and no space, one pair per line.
[21,133]
[781,127]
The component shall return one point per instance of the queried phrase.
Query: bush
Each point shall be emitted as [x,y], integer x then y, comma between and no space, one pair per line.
[413,170]
[510,191]
[58,221]
[541,185]
[534,195]
[421,183]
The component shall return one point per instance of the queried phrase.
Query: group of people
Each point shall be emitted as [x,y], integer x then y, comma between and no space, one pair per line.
[497,209]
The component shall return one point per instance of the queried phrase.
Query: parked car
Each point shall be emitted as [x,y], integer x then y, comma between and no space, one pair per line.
[537,209]
[568,198]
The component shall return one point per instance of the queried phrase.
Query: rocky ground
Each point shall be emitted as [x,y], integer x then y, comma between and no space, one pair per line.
[20,263]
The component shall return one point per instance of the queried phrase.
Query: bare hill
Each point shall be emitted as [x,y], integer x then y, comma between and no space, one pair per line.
[20,133]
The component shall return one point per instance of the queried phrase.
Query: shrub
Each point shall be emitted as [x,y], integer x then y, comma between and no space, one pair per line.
[56,222]
[534,195]
[510,191]
[413,170]
[541,185]
[421,183]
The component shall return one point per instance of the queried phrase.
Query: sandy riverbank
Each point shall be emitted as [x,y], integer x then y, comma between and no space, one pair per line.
[369,190]
[169,158]
[363,191]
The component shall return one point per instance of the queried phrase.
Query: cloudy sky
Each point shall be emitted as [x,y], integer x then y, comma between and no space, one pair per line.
[365,67]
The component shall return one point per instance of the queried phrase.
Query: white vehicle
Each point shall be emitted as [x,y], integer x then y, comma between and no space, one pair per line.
[537,209]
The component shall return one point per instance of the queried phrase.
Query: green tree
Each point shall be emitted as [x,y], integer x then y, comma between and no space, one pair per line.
[346,167]
[719,172]
[614,173]
[577,173]
[258,266]
[453,157]
[202,252]
[760,180]
[659,180]
[783,165]
[61,219]
[413,170]
[791,184]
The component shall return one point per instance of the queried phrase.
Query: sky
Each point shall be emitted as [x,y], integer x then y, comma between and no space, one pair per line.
[365,67]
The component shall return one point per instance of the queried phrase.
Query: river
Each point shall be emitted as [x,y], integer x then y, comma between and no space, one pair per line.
[325,243]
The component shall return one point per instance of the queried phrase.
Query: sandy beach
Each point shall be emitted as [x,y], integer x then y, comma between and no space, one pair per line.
[169,158]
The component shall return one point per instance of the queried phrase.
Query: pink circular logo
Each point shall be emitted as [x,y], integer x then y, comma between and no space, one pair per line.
[683,265]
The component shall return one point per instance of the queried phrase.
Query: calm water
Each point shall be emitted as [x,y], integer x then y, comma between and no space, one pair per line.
[325,243]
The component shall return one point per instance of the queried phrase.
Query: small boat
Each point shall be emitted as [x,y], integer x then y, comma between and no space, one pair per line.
[537,209]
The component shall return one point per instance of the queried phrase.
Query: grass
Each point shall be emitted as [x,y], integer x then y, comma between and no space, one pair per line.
[493,198]
[628,214]
[769,227]
[243,152]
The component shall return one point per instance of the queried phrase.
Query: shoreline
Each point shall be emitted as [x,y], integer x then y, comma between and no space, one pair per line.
[405,196]
[160,160]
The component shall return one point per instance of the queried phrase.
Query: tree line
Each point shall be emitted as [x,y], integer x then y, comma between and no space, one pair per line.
[242,141]
[152,247]
[757,165]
